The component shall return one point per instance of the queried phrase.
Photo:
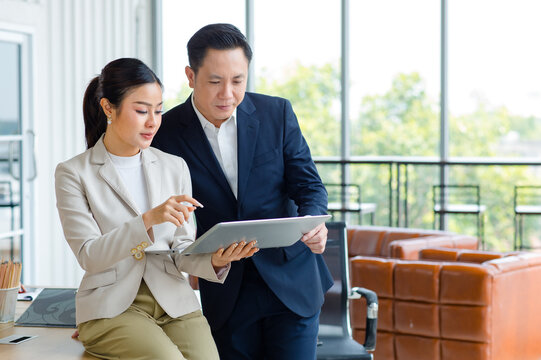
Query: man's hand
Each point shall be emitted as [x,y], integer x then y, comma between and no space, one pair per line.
[316,239]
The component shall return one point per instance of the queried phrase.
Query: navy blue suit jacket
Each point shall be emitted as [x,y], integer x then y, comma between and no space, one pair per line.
[276,178]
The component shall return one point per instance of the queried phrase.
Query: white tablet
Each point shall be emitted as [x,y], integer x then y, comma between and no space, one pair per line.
[269,233]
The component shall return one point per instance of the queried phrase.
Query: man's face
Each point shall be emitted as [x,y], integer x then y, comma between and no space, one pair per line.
[220,83]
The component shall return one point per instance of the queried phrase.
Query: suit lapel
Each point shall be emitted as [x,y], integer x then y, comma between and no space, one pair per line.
[194,136]
[110,175]
[153,176]
[247,131]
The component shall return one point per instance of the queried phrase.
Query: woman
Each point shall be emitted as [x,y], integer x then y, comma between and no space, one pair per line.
[120,198]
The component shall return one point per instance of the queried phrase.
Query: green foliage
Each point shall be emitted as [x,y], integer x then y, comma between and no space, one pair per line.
[479,133]
[404,121]
[314,93]
[407,117]
[180,97]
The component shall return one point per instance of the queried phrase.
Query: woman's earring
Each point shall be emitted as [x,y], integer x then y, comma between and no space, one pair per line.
[109,120]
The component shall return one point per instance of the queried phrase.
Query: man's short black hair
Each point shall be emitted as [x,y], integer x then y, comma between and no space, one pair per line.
[218,37]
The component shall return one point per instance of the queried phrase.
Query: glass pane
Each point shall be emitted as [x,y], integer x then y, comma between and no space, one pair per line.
[10,113]
[496,185]
[10,248]
[181,19]
[297,56]
[10,124]
[10,199]
[494,77]
[395,77]
[374,182]
[419,199]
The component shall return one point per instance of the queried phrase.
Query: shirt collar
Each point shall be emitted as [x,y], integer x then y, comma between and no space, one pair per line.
[205,123]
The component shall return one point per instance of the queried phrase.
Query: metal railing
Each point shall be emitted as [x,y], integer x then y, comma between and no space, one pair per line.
[398,175]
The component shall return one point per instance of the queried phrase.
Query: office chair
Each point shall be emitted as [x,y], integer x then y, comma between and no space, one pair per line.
[460,199]
[334,338]
[527,202]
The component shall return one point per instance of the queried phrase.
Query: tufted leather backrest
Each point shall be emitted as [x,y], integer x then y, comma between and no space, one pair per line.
[401,243]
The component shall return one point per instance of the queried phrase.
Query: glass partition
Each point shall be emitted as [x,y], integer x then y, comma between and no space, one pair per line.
[11,141]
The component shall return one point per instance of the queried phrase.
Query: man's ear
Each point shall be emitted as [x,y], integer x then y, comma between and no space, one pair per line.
[190,74]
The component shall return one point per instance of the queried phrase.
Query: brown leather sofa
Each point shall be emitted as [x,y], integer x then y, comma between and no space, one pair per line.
[453,304]
[402,243]
[394,242]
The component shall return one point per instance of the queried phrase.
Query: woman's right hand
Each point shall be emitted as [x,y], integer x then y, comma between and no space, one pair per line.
[234,252]
[172,210]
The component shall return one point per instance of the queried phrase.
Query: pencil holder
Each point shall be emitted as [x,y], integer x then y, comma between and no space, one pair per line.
[8,303]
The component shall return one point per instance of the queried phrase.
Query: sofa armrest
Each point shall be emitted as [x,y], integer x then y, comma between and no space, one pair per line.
[365,240]
[479,256]
[409,248]
[439,254]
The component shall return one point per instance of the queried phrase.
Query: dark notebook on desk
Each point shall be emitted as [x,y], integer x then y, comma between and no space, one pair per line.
[51,308]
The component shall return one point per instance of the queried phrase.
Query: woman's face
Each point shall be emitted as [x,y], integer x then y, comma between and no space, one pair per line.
[135,121]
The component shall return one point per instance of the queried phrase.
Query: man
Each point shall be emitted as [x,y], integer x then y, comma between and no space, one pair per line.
[248,160]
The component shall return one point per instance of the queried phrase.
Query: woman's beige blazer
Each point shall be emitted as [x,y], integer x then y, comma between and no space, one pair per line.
[105,231]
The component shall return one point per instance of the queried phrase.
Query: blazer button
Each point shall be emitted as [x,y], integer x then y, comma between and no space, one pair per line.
[144,244]
[138,255]
[133,251]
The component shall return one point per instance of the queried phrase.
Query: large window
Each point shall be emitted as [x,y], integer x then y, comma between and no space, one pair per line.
[495,104]
[394,82]
[300,64]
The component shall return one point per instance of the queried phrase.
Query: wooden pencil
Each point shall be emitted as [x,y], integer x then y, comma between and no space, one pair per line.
[3,268]
[10,274]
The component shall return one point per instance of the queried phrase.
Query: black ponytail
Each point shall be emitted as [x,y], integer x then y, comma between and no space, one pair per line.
[116,79]
[94,117]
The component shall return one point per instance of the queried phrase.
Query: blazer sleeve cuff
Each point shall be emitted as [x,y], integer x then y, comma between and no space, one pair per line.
[200,265]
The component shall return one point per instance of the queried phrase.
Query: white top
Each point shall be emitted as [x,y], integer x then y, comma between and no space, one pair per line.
[223,141]
[130,169]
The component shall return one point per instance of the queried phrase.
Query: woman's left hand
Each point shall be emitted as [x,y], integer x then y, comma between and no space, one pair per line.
[234,252]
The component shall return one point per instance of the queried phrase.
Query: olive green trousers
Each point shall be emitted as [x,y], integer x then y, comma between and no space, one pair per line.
[145,331]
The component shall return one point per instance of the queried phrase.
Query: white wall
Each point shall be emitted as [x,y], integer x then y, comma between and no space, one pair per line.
[72,41]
